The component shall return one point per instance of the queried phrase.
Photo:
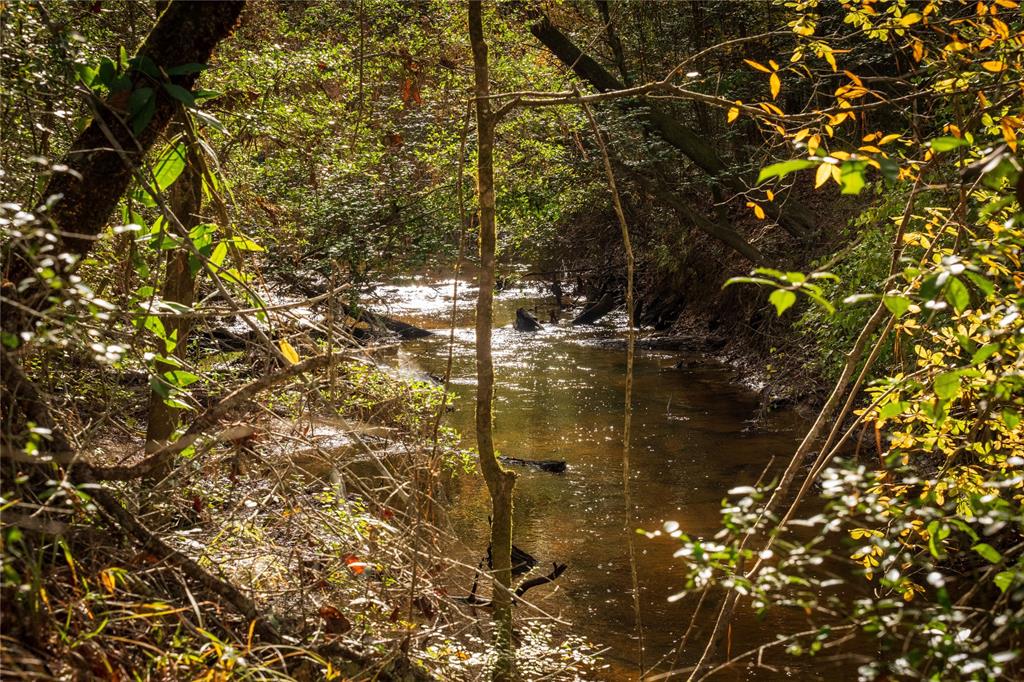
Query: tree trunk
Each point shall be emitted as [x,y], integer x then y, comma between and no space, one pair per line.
[499,481]
[186,33]
[179,287]
[796,219]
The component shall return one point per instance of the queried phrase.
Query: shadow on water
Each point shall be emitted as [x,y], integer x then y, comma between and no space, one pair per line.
[560,396]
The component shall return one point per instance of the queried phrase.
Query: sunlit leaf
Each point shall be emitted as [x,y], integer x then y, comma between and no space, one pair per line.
[782,299]
[784,168]
[289,352]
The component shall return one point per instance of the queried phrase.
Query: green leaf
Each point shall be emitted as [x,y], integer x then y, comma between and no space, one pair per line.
[1010,418]
[897,305]
[169,166]
[246,244]
[180,378]
[936,534]
[890,169]
[965,528]
[988,552]
[86,74]
[748,280]
[982,283]
[947,385]
[957,294]
[890,410]
[983,353]
[219,253]
[852,176]
[210,120]
[159,387]
[141,107]
[945,144]
[185,69]
[782,299]
[145,65]
[784,168]
[1003,580]
[107,71]
[181,94]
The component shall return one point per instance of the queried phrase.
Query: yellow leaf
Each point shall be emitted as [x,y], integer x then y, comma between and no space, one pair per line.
[771,63]
[770,194]
[813,144]
[889,138]
[289,352]
[107,578]
[830,58]
[1008,4]
[733,114]
[758,211]
[822,175]
[837,175]
[775,84]
[757,66]
[1009,134]
[910,19]
[918,50]
[869,148]
[854,77]
[994,66]
[801,134]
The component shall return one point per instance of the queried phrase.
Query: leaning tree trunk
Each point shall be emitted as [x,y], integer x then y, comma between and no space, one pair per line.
[796,219]
[107,153]
[499,481]
[179,287]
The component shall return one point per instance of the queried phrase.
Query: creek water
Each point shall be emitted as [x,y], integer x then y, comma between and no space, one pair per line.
[697,432]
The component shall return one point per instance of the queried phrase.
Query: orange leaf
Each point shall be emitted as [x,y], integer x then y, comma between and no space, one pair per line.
[995,66]
[1009,134]
[757,66]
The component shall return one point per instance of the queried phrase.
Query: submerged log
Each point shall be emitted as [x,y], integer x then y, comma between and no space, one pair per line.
[525,322]
[596,310]
[404,330]
[554,466]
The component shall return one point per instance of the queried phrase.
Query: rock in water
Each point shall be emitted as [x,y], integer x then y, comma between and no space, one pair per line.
[525,322]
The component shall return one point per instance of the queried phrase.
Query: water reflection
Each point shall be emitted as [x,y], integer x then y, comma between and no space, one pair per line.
[560,396]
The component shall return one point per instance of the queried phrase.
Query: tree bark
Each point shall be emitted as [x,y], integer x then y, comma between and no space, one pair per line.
[179,287]
[499,481]
[795,219]
[187,32]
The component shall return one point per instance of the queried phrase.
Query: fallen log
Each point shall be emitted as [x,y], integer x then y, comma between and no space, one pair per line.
[596,310]
[554,466]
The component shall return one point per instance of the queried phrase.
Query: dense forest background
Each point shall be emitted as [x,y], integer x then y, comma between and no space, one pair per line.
[200,200]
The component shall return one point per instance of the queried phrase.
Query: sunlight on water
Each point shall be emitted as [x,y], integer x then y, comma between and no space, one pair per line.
[560,396]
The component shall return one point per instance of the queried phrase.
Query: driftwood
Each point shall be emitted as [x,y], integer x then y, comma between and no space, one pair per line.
[554,466]
[557,570]
[596,310]
[525,322]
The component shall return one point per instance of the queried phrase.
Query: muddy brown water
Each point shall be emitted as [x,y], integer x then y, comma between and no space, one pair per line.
[697,432]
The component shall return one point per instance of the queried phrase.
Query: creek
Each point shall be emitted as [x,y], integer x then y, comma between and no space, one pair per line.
[697,432]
